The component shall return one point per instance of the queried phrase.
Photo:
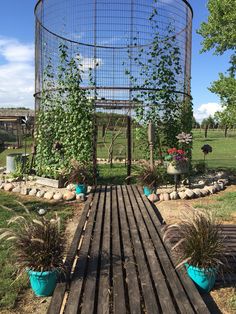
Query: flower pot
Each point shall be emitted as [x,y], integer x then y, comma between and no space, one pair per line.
[147,191]
[178,168]
[43,283]
[203,278]
[80,189]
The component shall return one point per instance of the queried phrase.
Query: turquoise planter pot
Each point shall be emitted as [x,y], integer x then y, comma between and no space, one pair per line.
[43,283]
[147,191]
[80,188]
[203,278]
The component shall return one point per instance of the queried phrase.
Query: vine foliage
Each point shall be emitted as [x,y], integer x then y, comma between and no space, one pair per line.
[65,119]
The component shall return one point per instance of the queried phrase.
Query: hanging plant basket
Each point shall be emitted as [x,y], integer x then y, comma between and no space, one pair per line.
[179,168]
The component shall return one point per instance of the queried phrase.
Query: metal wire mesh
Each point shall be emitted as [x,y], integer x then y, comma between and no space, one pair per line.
[110,36]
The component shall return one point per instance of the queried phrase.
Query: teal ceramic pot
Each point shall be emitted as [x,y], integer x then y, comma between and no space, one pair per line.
[147,191]
[43,283]
[80,189]
[203,278]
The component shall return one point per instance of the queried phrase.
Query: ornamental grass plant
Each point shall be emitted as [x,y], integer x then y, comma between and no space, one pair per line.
[38,244]
[148,176]
[200,240]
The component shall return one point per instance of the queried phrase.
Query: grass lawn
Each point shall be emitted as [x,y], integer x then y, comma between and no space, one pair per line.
[9,288]
[222,206]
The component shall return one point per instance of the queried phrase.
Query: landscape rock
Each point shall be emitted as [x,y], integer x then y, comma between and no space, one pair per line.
[204,192]
[42,211]
[58,196]
[166,196]
[153,198]
[2,186]
[8,187]
[174,195]
[81,197]
[17,189]
[24,190]
[189,193]
[70,187]
[161,197]
[40,193]
[69,196]
[224,181]
[221,184]
[212,189]
[33,192]
[48,195]
[197,192]
[89,188]
[217,186]
[183,195]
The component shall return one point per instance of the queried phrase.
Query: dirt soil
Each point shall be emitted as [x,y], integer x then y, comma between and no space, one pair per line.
[28,303]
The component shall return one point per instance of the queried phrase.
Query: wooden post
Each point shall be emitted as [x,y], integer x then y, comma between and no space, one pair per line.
[95,133]
[129,148]
[151,139]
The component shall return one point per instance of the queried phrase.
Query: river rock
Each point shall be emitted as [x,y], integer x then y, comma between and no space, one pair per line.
[174,195]
[70,187]
[166,196]
[17,189]
[161,197]
[58,196]
[24,190]
[89,189]
[8,187]
[197,192]
[33,192]
[217,186]
[48,195]
[221,185]
[69,196]
[153,197]
[40,193]
[224,181]
[189,193]
[212,189]
[183,195]
[204,192]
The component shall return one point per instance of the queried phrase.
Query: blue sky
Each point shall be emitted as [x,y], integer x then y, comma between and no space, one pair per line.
[17,58]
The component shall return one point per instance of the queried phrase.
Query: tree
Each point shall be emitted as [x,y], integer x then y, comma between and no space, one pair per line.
[225,119]
[195,124]
[219,34]
[208,123]
[219,31]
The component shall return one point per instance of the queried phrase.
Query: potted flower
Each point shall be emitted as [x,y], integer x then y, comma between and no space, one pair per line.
[39,247]
[149,178]
[199,248]
[81,175]
[177,161]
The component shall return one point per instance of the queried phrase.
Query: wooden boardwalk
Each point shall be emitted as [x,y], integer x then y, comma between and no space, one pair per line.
[117,262]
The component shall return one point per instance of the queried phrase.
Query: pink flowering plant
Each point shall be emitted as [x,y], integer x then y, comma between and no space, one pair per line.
[179,156]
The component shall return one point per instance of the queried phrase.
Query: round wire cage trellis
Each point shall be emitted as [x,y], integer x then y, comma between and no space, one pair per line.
[118,42]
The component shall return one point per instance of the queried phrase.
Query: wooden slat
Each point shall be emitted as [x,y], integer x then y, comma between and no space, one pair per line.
[89,297]
[162,290]
[181,299]
[118,284]
[150,300]
[133,290]
[190,288]
[74,297]
[60,290]
[104,288]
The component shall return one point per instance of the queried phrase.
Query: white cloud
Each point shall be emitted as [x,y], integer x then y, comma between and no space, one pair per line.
[206,110]
[16,73]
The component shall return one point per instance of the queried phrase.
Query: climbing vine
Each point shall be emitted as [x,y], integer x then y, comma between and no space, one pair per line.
[65,119]
[157,71]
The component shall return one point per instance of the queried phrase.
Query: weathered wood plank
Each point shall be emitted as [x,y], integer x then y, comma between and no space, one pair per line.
[170,275]
[133,289]
[89,297]
[61,287]
[163,294]
[78,277]
[104,288]
[150,300]
[118,284]
[191,290]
